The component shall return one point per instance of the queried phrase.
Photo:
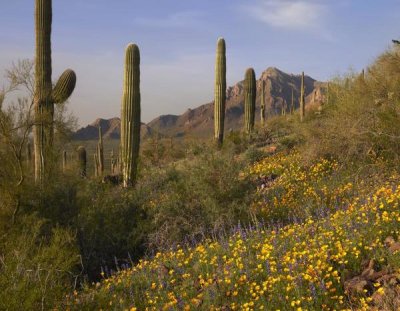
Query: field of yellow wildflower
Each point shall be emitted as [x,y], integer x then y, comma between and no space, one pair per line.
[325,234]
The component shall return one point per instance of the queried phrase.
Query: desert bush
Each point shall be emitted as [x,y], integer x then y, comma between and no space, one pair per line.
[360,123]
[196,199]
[39,263]
[111,227]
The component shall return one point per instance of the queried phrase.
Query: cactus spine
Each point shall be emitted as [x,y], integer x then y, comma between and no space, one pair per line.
[45,96]
[82,161]
[249,100]
[220,91]
[302,98]
[130,116]
[262,103]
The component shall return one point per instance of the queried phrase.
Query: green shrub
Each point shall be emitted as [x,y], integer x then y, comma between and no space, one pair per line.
[38,265]
[111,227]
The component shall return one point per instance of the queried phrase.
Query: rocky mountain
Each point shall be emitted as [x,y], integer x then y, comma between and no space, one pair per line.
[199,122]
[111,129]
[278,91]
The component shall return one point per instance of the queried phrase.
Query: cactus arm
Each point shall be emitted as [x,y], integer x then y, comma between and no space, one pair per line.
[64,86]
[44,96]
[220,91]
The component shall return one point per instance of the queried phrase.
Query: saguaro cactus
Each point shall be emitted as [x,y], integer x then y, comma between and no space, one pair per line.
[112,162]
[82,161]
[100,154]
[283,107]
[130,116]
[262,103]
[249,100]
[220,92]
[292,102]
[96,164]
[45,95]
[302,98]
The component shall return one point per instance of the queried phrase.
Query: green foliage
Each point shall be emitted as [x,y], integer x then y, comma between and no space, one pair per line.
[254,154]
[196,198]
[360,124]
[38,265]
[112,227]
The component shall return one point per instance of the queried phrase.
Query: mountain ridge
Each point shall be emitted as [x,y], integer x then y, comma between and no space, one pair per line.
[198,122]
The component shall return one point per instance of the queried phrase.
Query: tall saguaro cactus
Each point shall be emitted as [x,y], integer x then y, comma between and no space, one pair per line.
[130,116]
[45,95]
[302,98]
[220,92]
[249,100]
[262,103]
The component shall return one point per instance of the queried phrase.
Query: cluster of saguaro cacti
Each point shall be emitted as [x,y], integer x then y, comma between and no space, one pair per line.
[82,161]
[220,91]
[262,103]
[130,116]
[302,98]
[249,100]
[45,95]
[99,156]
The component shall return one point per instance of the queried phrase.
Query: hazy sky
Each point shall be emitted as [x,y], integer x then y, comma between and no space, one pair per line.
[177,40]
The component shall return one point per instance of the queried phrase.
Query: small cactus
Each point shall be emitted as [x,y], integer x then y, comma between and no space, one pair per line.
[292,102]
[262,103]
[302,98]
[100,154]
[96,164]
[283,107]
[113,162]
[249,100]
[130,116]
[82,161]
[220,92]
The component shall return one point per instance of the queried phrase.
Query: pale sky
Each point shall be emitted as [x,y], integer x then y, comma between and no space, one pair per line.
[177,41]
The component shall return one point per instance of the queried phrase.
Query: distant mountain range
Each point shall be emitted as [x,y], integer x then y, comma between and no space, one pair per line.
[199,122]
